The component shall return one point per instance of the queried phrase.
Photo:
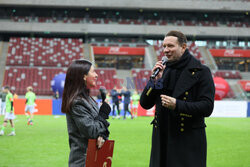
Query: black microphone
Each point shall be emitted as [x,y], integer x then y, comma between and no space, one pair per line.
[156,72]
[103,93]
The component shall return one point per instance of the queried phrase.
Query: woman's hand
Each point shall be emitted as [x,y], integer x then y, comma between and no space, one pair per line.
[100,142]
[104,110]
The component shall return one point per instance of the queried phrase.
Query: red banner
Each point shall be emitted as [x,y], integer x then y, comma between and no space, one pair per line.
[230,52]
[118,51]
[43,106]
[245,85]
[142,112]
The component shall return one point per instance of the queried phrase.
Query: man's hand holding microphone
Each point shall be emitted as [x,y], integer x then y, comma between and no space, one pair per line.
[158,69]
[157,73]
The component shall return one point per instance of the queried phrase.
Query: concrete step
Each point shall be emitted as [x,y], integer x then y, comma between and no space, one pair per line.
[238,91]
[3,57]
[245,75]
[209,60]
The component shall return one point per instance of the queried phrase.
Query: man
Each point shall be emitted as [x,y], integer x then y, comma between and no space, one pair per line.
[135,101]
[126,101]
[9,115]
[3,105]
[0,102]
[183,93]
[30,104]
[115,101]
[56,95]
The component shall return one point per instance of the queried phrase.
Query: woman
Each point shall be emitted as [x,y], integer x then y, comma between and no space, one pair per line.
[84,119]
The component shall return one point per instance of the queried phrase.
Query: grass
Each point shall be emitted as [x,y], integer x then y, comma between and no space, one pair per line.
[45,144]
[228,142]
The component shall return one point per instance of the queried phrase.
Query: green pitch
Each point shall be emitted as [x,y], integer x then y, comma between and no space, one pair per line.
[45,144]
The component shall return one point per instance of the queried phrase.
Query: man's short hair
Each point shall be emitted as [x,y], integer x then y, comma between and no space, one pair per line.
[180,36]
[29,88]
[7,87]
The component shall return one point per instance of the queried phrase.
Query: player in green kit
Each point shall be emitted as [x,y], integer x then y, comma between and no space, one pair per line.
[3,97]
[135,100]
[30,104]
[9,115]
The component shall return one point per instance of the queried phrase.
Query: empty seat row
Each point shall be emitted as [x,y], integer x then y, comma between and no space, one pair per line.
[227,74]
[129,21]
[140,78]
[106,78]
[55,52]
[19,78]
[37,77]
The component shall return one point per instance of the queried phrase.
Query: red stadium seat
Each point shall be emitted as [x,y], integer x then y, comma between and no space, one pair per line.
[37,77]
[35,61]
[140,78]
[106,78]
[228,74]
[56,52]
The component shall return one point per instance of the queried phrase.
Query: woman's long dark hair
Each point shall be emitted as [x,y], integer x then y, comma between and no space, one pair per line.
[74,84]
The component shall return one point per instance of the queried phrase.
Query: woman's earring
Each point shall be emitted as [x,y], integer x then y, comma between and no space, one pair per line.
[85,81]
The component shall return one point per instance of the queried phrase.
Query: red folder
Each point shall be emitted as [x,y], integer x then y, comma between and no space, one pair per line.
[99,157]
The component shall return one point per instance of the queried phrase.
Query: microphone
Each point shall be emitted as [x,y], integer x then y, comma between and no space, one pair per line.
[156,72]
[103,93]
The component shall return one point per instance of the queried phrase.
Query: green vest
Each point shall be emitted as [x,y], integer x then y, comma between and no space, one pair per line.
[135,99]
[31,97]
[9,99]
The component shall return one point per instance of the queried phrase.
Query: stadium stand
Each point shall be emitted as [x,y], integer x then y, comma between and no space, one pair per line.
[137,21]
[53,54]
[226,74]
[106,78]
[56,52]
[19,78]
[140,77]
[35,62]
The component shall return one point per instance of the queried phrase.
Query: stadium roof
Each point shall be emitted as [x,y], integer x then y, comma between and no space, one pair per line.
[184,5]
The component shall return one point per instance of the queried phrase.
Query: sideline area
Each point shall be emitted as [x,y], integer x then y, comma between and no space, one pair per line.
[221,108]
[45,144]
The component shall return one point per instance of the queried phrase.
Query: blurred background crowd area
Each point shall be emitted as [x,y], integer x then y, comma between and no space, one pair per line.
[39,39]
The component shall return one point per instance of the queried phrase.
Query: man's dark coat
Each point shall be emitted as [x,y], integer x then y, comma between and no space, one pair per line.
[179,137]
